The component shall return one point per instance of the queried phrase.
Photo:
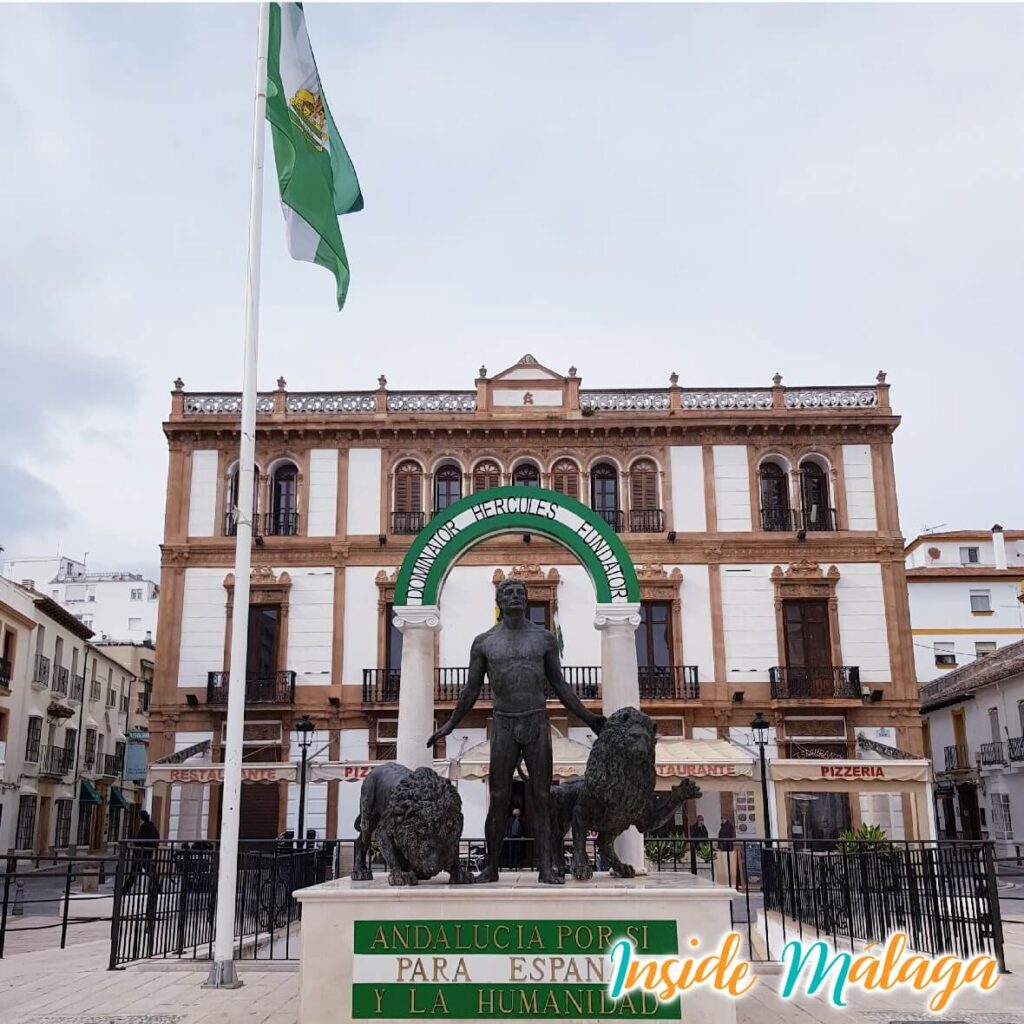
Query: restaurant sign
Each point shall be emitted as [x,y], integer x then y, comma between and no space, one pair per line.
[207,773]
[475,970]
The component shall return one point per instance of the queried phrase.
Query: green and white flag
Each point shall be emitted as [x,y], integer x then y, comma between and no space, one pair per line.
[316,176]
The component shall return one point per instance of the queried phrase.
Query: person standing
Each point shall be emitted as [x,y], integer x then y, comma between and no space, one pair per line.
[143,849]
[698,830]
[725,859]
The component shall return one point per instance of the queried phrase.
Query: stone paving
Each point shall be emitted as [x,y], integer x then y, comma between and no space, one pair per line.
[72,986]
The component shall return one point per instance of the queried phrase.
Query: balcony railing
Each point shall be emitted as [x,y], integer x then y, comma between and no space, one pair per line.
[583,680]
[672,682]
[41,670]
[820,519]
[646,520]
[59,682]
[282,523]
[55,760]
[108,764]
[77,688]
[274,688]
[1015,748]
[958,759]
[612,516]
[380,685]
[5,672]
[778,520]
[406,522]
[95,690]
[825,683]
[993,753]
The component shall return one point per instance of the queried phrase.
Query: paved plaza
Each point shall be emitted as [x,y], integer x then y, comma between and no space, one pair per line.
[50,986]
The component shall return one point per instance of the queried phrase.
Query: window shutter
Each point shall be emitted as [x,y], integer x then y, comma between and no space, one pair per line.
[643,487]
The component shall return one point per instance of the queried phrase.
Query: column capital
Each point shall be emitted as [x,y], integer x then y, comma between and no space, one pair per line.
[626,613]
[417,616]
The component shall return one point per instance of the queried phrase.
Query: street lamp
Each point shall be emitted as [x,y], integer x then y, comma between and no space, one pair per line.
[305,728]
[759,727]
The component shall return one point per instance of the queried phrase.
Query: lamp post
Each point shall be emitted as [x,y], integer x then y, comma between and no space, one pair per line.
[759,727]
[305,728]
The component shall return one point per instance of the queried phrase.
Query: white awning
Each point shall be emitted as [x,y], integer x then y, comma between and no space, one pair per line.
[679,758]
[342,771]
[207,773]
[827,770]
[569,759]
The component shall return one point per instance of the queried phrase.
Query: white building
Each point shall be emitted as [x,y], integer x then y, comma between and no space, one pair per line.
[118,606]
[965,591]
[974,728]
[64,711]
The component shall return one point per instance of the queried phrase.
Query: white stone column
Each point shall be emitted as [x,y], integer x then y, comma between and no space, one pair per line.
[620,688]
[418,624]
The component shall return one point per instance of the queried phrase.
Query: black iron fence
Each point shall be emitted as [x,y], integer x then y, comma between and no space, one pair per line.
[272,688]
[815,683]
[668,682]
[52,893]
[646,520]
[165,899]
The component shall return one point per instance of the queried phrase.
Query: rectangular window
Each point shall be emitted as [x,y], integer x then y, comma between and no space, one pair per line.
[35,733]
[981,600]
[945,653]
[62,830]
[25,836]
[137,594]
[983,647]
[90,748]
[969,556]
[70,742]
[993,724]
[654,657]
[85,825]
[119,756]
[144,696]
[1002,825]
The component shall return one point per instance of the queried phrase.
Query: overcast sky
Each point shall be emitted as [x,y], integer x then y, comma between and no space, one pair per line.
[720,191]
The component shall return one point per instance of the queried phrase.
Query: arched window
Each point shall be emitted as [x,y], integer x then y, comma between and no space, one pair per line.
[230,521]
[526,474]
[486,474]
[644,514]
[604,494]
[283,520]
[447,487]
[817,513]
[775,511]
[565,478]
[407,514]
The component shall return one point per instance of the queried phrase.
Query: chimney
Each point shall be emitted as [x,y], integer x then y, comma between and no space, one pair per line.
[999,546]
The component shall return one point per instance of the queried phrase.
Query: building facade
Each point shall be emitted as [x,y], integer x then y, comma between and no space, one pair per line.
[65,711]
[966,589]
[974,730]
[762,524]
[117,606]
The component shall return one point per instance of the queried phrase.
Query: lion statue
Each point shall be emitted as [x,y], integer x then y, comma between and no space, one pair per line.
[416,818]
[616,791]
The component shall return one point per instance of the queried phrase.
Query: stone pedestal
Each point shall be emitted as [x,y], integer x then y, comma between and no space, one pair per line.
[620,688]
[515,949]
[418,624]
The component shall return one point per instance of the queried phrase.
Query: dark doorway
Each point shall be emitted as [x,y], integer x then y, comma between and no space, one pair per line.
[258,811]
[654,650]
[261,660]
[970,814]
[808,649]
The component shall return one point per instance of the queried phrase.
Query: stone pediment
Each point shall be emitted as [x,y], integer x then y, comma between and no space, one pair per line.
[528,369]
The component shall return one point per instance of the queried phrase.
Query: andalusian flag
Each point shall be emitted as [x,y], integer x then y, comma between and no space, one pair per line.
[317,179]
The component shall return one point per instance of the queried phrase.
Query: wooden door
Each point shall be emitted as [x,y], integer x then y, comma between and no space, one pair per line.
[258,812]
[808,649]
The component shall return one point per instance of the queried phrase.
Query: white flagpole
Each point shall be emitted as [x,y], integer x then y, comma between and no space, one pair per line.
[222,972]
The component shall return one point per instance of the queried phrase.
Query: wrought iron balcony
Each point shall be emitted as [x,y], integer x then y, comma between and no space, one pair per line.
[380,685]
[406,522]
[77,691]
[59,681]
[671,682]
[274,688]
[583,680]
[5,672]
[54,760]
[231,525]
[778,520]
[993,753]
[612,516]
[282,523]
[958,759]
[109,765]
[41,670]
[646,520]
[820,519]
[95,690]
[1015,748]
[825,683]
